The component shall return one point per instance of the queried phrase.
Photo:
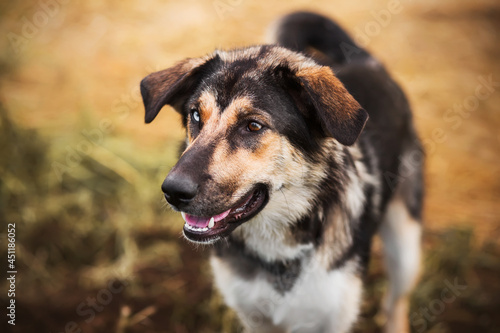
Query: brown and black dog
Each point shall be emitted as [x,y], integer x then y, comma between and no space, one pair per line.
[287,177]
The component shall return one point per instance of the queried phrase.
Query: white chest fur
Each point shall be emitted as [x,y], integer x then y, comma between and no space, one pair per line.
[319,301]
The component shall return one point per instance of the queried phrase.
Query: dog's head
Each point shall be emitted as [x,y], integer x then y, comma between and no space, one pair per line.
[252,116]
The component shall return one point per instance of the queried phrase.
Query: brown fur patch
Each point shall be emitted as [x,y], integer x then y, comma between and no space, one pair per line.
[157,86]
[208,107]
[162,80]
[330,91]
[239,107]
[340,114]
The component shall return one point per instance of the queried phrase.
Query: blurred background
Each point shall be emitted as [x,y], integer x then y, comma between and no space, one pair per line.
[97,250]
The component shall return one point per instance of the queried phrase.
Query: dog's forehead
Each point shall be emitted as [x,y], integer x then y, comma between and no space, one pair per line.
[267,56]
[234,80]
[248,73]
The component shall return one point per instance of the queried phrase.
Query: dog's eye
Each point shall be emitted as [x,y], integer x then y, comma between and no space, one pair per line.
[195,116]
[254,126]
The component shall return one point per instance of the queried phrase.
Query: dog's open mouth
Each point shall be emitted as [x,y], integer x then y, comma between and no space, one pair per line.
[203,229]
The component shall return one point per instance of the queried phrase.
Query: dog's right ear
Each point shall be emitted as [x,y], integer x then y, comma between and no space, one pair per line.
[339,113]
[170,86]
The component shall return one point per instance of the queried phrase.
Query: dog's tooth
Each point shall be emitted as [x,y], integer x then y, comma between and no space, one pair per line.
[211,223]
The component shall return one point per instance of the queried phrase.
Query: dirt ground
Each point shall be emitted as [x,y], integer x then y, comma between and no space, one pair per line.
[69,84]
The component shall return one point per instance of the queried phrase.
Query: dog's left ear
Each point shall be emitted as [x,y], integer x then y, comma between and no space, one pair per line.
[339,113]
[169,86]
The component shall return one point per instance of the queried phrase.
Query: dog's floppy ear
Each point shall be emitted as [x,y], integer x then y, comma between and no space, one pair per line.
[169,86]
[339,113]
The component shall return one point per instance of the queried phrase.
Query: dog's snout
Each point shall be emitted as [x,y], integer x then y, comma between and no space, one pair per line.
[179,189]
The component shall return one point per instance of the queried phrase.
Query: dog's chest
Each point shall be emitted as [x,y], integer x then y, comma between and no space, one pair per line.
[318,301]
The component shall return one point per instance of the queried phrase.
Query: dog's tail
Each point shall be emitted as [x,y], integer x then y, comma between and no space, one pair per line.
[309,33]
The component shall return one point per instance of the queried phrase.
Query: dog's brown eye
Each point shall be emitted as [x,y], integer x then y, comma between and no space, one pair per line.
[254,127]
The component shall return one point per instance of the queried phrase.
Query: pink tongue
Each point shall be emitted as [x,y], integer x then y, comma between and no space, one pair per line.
[202,222]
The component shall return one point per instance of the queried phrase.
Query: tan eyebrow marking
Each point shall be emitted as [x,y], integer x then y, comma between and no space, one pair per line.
[208,105]
[242,107]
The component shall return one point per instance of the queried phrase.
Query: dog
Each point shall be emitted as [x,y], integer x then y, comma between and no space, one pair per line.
[296,154]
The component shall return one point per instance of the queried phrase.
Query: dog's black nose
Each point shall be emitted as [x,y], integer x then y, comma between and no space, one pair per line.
[179,189]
